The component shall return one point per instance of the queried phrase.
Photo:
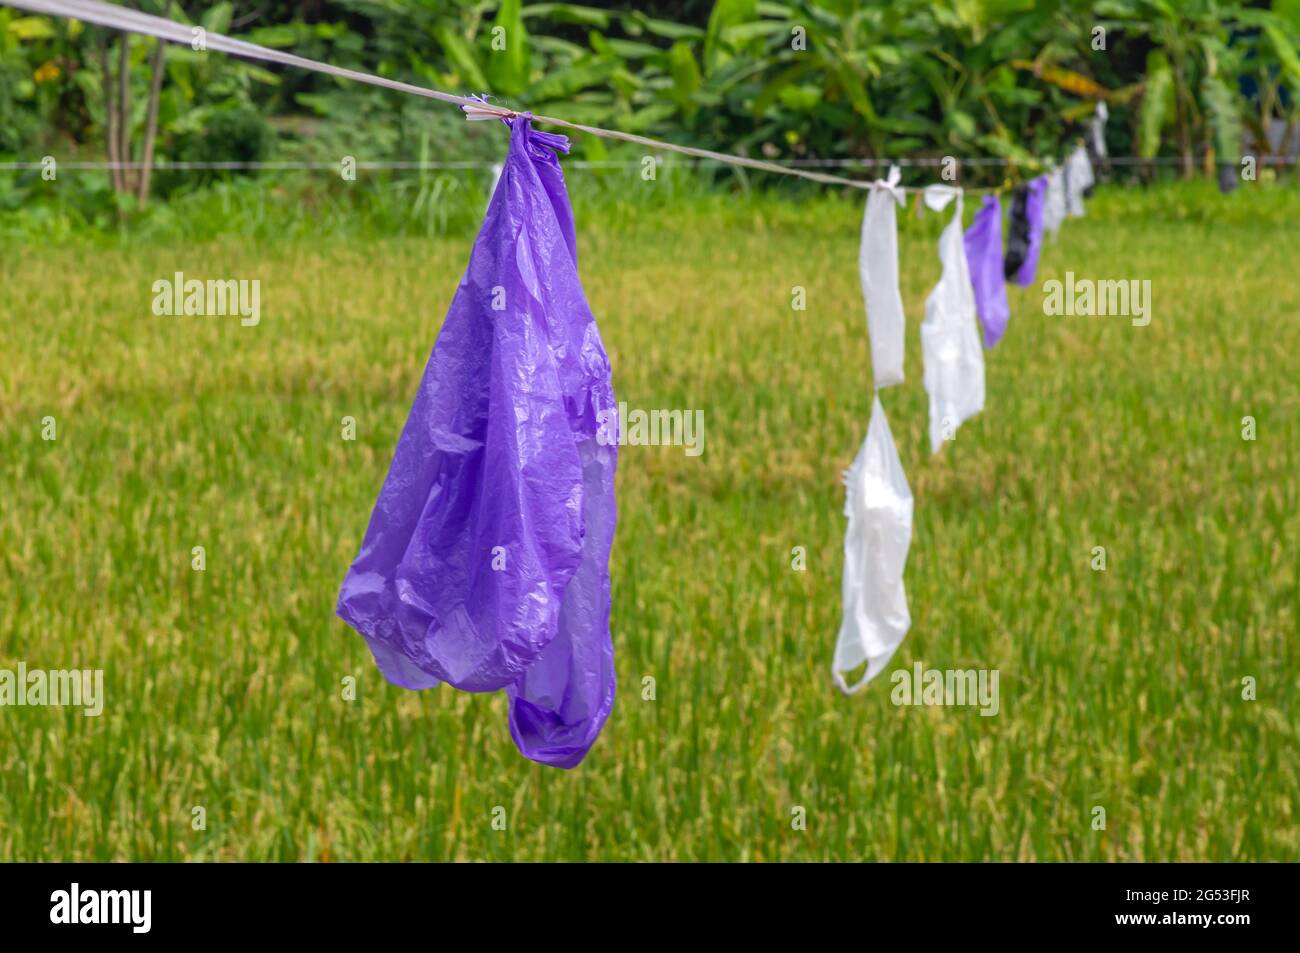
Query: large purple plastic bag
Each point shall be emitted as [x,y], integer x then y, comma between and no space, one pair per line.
[984,254]
[486,561]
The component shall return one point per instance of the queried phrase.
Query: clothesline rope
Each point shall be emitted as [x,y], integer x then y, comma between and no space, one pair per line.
[132,21]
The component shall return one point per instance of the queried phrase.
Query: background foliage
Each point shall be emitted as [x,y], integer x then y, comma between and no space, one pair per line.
[1010,79]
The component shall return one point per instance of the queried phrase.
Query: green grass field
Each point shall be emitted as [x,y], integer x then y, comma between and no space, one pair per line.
[1119,689]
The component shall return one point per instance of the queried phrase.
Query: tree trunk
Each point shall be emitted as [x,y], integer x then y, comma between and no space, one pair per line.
[1184,132]
[110,116]
[1268,97]
[1182,117]
[124,97]
[156,63]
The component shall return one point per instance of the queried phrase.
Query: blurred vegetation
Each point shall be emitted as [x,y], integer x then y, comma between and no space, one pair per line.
[1189,85]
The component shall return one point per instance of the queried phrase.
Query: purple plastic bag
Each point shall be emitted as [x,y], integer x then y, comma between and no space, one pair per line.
[984,254]
[486,561]
[1027,230]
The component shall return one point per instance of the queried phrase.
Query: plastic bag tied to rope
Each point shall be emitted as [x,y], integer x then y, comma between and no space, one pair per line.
[984,255]
[878,503]
[1054,202]
[878,270]
[950,344]
[485,563]
[1079,181]
[1025,232]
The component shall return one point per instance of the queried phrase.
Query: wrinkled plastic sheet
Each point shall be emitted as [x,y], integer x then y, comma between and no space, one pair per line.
[1054,202]
[1079,181]
[1025,238]
[984,255]
[878,503]
[878,270]
[950,343]
[485,563]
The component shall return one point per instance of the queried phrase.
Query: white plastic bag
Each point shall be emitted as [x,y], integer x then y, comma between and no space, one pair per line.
[878,503]
[1054,203]
[950,341]
[1097,130]
[1078,179]
[878,268]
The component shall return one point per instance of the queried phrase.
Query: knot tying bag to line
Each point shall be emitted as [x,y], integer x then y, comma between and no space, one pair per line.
[1025,232]
[485,564]
[878,503]
[878,269]
[950,343]
[984,254]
